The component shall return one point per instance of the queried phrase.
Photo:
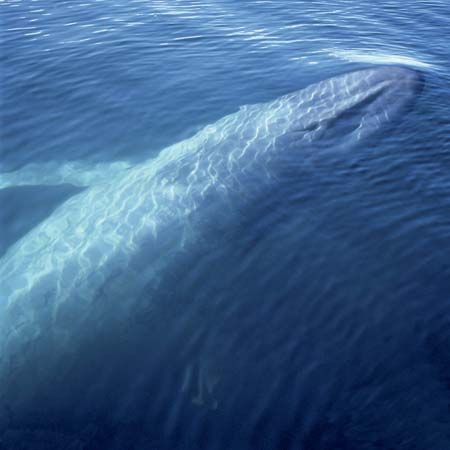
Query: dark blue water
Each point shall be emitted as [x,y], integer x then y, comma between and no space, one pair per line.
[320,317]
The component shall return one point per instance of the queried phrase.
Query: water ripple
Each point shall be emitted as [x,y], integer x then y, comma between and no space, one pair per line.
[322,310]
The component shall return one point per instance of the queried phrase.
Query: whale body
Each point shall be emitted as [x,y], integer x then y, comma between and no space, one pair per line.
[78,278]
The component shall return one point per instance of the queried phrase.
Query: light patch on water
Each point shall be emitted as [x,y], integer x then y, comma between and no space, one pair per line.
[185,38]
[35,33]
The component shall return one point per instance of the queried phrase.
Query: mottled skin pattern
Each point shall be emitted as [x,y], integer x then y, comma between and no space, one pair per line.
[85,268]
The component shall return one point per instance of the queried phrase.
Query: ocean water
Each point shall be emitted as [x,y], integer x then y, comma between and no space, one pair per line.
[318,316]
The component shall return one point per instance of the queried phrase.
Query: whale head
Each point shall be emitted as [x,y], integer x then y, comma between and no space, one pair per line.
[354,105]
[384,90]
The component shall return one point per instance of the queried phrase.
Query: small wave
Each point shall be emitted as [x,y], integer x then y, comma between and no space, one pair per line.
[379,58]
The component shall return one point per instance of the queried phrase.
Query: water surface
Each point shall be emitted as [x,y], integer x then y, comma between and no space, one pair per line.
[321,315]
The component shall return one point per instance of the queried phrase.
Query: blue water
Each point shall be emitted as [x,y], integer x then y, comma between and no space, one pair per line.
[321,316]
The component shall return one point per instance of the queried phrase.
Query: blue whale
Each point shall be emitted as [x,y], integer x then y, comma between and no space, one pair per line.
[80,277]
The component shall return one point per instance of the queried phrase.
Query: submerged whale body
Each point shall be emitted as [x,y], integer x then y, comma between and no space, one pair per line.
[78,279]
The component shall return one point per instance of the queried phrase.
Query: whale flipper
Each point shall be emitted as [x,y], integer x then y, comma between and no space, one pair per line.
[44,187]
[52,174]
